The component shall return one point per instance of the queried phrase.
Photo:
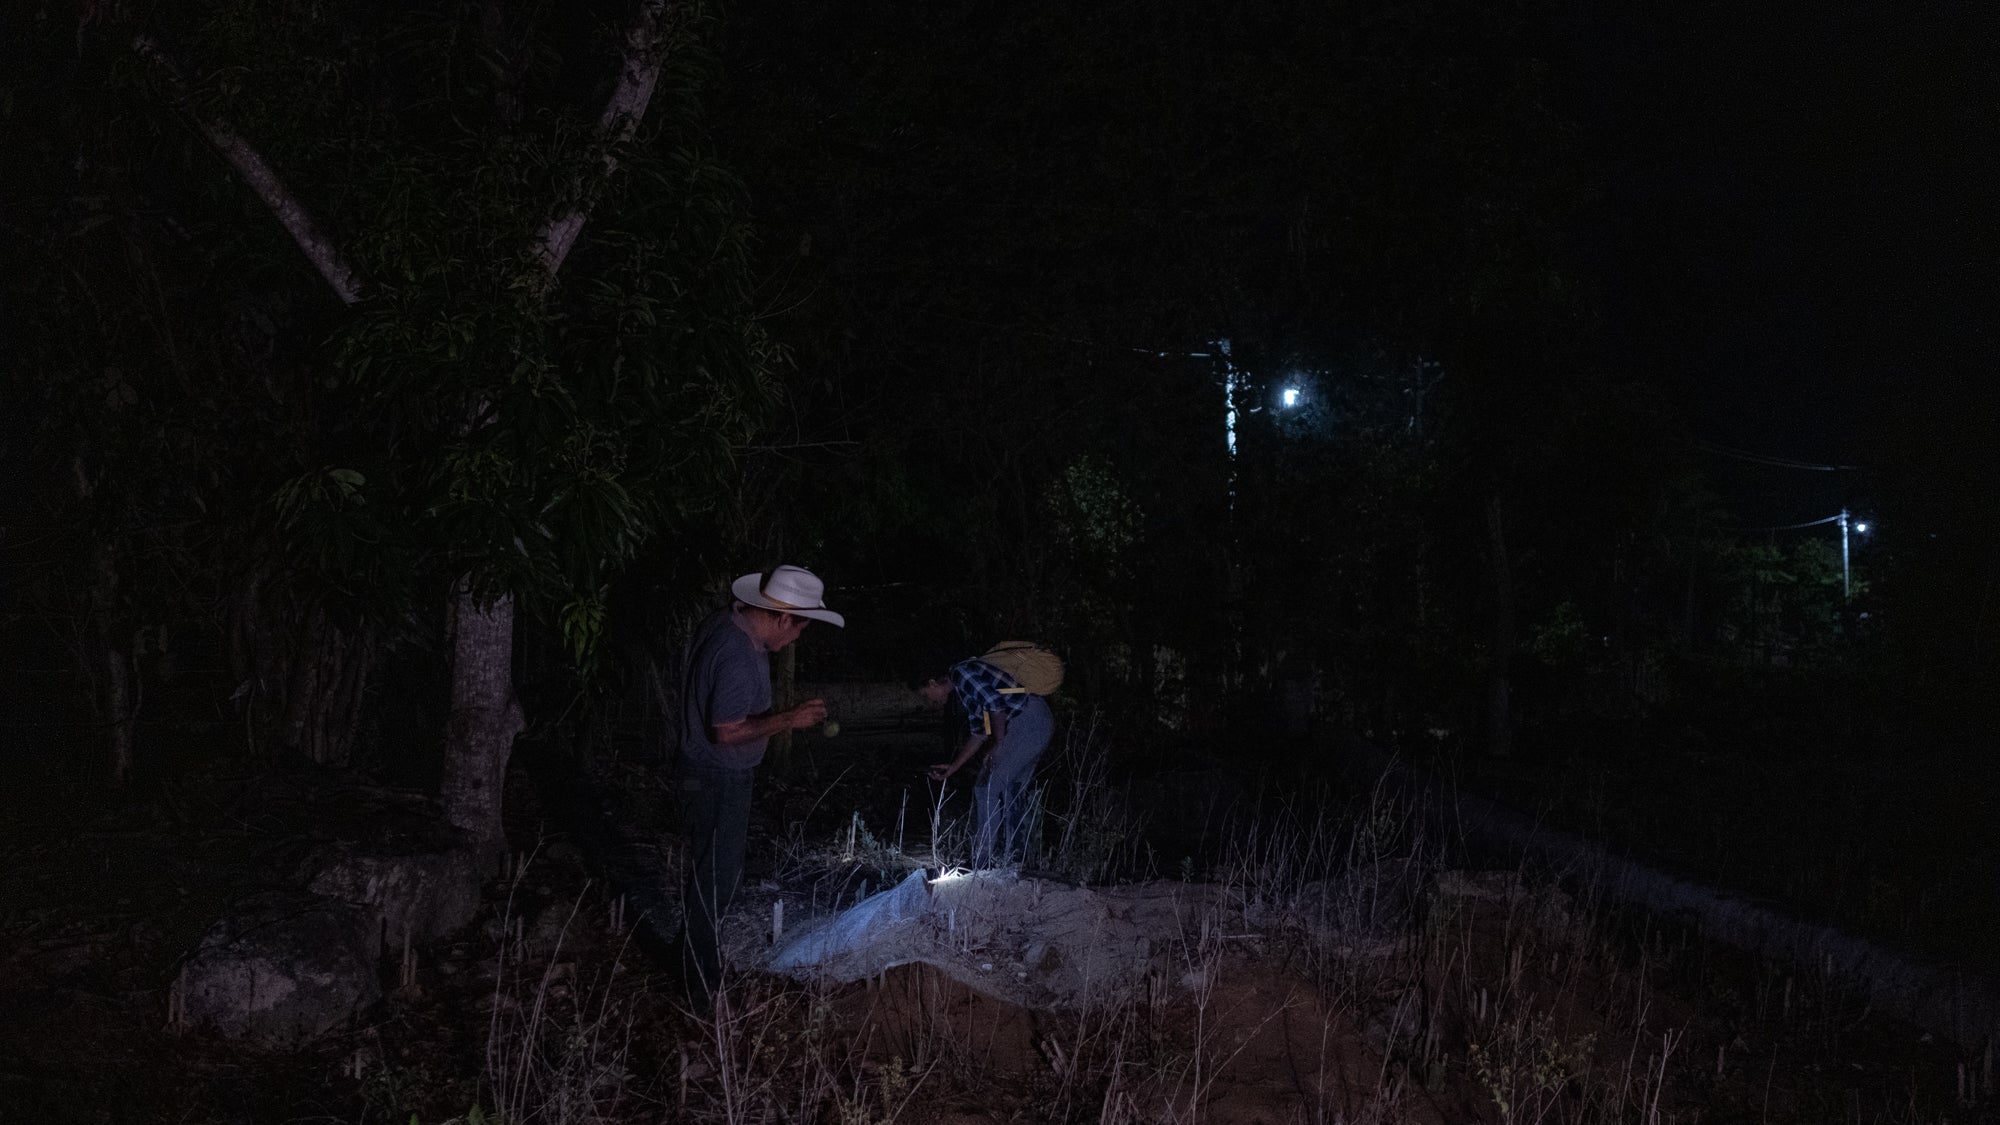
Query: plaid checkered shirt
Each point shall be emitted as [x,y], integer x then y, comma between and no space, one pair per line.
[982,688]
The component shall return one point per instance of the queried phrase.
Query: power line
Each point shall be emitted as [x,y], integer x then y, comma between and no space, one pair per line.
[1098,344]
[1835,518]
[1775,462]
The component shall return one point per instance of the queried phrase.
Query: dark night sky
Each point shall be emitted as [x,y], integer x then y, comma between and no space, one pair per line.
[1795,236]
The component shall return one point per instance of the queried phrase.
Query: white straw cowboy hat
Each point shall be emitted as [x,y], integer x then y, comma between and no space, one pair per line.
[788,589]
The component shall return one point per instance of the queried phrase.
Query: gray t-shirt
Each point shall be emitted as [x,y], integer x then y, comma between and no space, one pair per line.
[728,678]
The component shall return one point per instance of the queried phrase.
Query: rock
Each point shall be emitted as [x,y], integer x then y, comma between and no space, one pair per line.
[1548,906]
[550,929]
[282,970]
[1042,957]
[1498,886]
[1371,899]
[1397,1028]
[422,894]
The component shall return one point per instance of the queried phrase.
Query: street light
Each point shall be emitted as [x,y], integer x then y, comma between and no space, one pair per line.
[1860,527]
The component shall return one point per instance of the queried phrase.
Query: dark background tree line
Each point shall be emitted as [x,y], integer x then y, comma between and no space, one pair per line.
[932,298]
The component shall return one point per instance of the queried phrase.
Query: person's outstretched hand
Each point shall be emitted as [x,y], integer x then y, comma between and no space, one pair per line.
[939,772]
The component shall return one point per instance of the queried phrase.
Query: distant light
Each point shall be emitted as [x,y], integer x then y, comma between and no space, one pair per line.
[1291,396]
[1862,527]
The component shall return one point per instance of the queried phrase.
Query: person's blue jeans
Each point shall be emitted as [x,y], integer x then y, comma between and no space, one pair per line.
[715,807]
[1000,799]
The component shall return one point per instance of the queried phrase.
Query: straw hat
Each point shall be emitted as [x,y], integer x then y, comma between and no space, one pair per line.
[788,589]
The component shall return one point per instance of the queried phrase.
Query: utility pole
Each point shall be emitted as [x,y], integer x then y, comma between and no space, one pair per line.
[1229,385]
[1846,586]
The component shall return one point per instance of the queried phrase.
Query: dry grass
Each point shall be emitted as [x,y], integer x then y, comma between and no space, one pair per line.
[1348,974]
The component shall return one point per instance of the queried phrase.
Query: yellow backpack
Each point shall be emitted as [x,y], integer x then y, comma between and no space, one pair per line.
[1035,668]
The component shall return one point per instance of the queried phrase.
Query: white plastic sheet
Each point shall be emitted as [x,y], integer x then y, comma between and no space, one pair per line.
[857,928]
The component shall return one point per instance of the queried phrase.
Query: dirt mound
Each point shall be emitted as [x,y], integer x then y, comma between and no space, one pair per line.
[1029,941]
[1256,1045]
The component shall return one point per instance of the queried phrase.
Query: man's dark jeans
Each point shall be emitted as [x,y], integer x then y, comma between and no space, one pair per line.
[715,807]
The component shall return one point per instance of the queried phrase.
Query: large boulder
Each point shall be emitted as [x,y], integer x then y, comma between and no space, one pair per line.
[281,970]
[423,889]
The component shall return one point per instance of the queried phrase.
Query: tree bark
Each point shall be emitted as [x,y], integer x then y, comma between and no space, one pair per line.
[484,716]
[638,72]
[117,694]
[784,684]
[263,179]
[1688,590]
[1500,674]
[327,686]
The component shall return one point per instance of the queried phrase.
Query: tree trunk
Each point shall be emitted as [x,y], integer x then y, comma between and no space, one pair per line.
[263,179]
[259,654]
[117,693]
[327,685]
[784,684]
[115,697]
[484,717]
[1688,603]
[1500,675]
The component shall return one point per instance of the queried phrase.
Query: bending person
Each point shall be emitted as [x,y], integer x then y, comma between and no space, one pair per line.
[1011,726]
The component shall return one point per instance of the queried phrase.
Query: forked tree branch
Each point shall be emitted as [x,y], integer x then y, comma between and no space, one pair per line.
[638,71]
[263,179]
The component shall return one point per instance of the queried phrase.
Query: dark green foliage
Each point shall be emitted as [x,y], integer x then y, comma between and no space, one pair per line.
[226,417]
[529,432]
[1004,244]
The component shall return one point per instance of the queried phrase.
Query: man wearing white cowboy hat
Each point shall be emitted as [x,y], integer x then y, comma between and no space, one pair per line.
[726,721]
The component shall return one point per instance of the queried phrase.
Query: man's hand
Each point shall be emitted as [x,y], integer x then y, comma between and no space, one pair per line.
[811,713]
[973,746]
